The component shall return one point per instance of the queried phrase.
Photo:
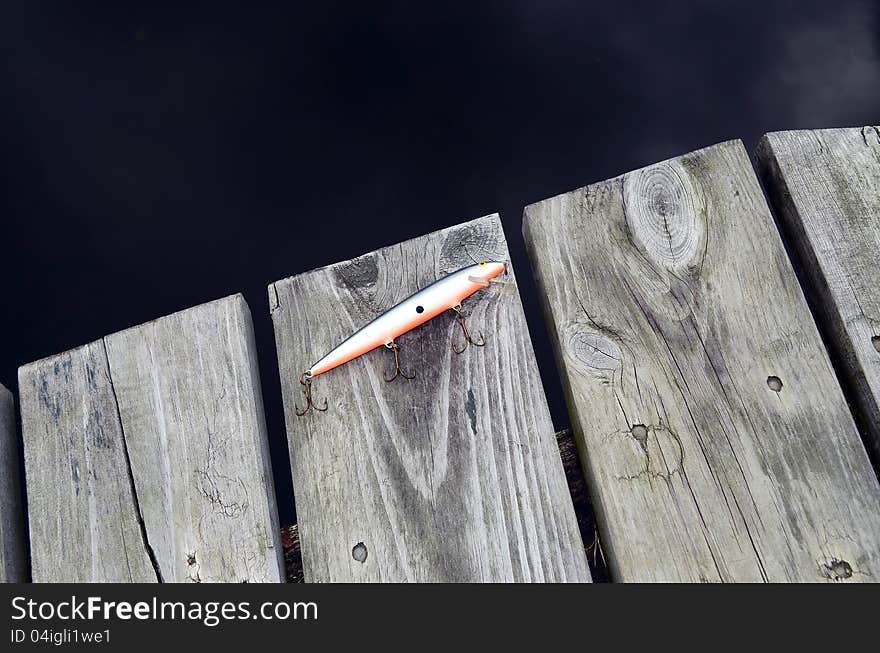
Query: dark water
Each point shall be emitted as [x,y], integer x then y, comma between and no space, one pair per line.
[154,159]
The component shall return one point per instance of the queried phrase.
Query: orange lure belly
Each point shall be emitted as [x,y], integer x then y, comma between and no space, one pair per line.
[413,311]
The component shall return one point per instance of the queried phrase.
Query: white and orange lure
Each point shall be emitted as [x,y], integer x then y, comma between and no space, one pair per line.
[444,294]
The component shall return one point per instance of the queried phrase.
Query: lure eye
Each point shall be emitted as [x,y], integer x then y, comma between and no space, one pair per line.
[420,309]
[483,263]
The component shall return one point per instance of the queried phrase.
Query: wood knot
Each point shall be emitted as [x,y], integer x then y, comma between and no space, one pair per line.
[481,240]
[361,272]
[595,351]
[592,354]
[666,216]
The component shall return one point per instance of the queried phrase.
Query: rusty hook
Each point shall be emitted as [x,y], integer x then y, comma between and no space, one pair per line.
[595,547]
[306,380]
[460,318]
[393,346]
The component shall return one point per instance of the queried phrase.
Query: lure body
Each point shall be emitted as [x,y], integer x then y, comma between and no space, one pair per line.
[415,310]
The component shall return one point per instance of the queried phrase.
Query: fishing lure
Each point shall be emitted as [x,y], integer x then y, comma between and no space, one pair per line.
[444,294]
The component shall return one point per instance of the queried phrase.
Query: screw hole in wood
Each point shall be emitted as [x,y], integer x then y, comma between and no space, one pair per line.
[774,383]
[359,552]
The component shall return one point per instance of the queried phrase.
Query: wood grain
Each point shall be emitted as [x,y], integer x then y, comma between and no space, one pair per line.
[825,185]
[672,304]
[82,512]
[13,553]
[148,451]
[576,487]
[453,476]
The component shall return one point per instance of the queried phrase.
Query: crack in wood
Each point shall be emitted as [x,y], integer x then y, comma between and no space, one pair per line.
[145,539]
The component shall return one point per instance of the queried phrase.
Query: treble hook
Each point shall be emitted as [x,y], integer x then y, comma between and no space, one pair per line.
[460,318]
[596,546]
[393,346]
[306,380]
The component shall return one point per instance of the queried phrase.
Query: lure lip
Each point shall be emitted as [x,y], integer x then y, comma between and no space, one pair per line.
[490,269]
[483,273]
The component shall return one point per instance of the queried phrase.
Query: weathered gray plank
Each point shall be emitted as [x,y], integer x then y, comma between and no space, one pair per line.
[825,185]
[13,554]
[81,510]
[148,451]
[718,443]
[576,486]
[453,476]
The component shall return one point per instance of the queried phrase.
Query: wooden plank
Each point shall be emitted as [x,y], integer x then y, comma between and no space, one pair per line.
[453,476]
[576,487]
[825,185]
[148,451]
[82,512]
[13,553]
[718,443]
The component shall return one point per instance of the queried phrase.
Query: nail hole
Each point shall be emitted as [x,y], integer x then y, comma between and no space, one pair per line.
[876,342]
[640,433]
[774,383]
[191,559]
[836,569]
[359,552]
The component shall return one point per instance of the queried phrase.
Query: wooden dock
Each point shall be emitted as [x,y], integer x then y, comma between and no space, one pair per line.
[716,438]
[721,370]
[825,185]
[147,450]
[451,476]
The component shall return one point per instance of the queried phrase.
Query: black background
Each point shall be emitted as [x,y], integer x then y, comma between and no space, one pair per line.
[154,158]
